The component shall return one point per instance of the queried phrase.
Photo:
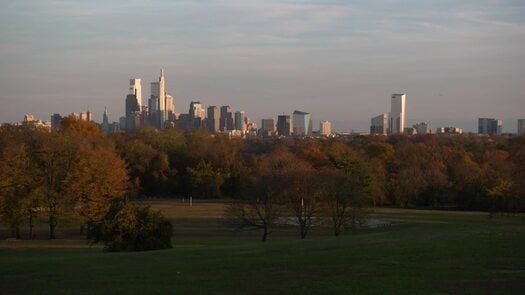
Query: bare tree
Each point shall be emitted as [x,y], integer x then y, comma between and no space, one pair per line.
[261,201]
[303,192]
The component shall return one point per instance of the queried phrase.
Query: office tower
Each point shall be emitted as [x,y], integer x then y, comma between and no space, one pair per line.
[397,114]
[489,126]
[153,106]
[56,119]
[196,115]
[226,119]
[239,121]
[136,88]
[157,103]
[284,125]
[105,121]
[196,110]
[421,128]
[325,128]
[302,124]
[132,112]
[521,126]
[268,125]
[213,119]
[379,124]
[145,118]
[122,123]
[170,107]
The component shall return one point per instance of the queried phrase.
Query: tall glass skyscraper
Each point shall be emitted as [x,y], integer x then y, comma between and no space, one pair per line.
[396,122]
[302,123]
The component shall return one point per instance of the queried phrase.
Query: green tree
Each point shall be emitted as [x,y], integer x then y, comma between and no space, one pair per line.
[128,227]
[350,193]
[206,181]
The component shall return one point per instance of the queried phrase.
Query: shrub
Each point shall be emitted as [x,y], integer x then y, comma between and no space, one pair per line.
[128,227]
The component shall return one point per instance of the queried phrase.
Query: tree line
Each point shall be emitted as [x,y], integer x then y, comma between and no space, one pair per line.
[82,171]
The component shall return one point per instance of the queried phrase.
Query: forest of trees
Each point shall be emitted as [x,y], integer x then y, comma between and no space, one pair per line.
[80,170]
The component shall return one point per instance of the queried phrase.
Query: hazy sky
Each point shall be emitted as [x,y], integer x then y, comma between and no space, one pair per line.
[339,60]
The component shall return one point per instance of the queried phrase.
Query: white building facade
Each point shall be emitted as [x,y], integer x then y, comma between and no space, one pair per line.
[397,114]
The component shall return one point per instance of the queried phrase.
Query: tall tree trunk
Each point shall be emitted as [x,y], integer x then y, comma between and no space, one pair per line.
[265,233]
[88,233]
[52,226]
[31,223]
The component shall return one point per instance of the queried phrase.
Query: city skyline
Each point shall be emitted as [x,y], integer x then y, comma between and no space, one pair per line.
[457,62]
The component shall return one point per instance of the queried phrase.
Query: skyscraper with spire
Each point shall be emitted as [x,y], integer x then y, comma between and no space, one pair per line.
[157,103]
[162,100]
[105,121]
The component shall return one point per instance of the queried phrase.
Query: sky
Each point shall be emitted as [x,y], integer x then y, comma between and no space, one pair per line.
[338,60]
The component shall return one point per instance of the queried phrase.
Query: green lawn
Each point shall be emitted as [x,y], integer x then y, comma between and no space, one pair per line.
[424,252]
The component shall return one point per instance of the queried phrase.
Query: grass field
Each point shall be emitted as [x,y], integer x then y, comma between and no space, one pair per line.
[425,252]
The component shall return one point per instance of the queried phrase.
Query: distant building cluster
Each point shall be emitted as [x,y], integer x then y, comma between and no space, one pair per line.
[394,123]
[160,113]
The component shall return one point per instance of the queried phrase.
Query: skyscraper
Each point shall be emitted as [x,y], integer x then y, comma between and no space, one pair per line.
[284,125]
[213,119]
[489,126]
[521,126]
[268,125]
[302,123]
[397,114]
[239,121]
[226,119]
[136,88]
[170,107]
[379,124]
[196,114]
[132,112]
[196,110]
[157,102]
[105,121]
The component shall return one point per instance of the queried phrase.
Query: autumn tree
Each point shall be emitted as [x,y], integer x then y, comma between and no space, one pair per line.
[97,178]
[19,196]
